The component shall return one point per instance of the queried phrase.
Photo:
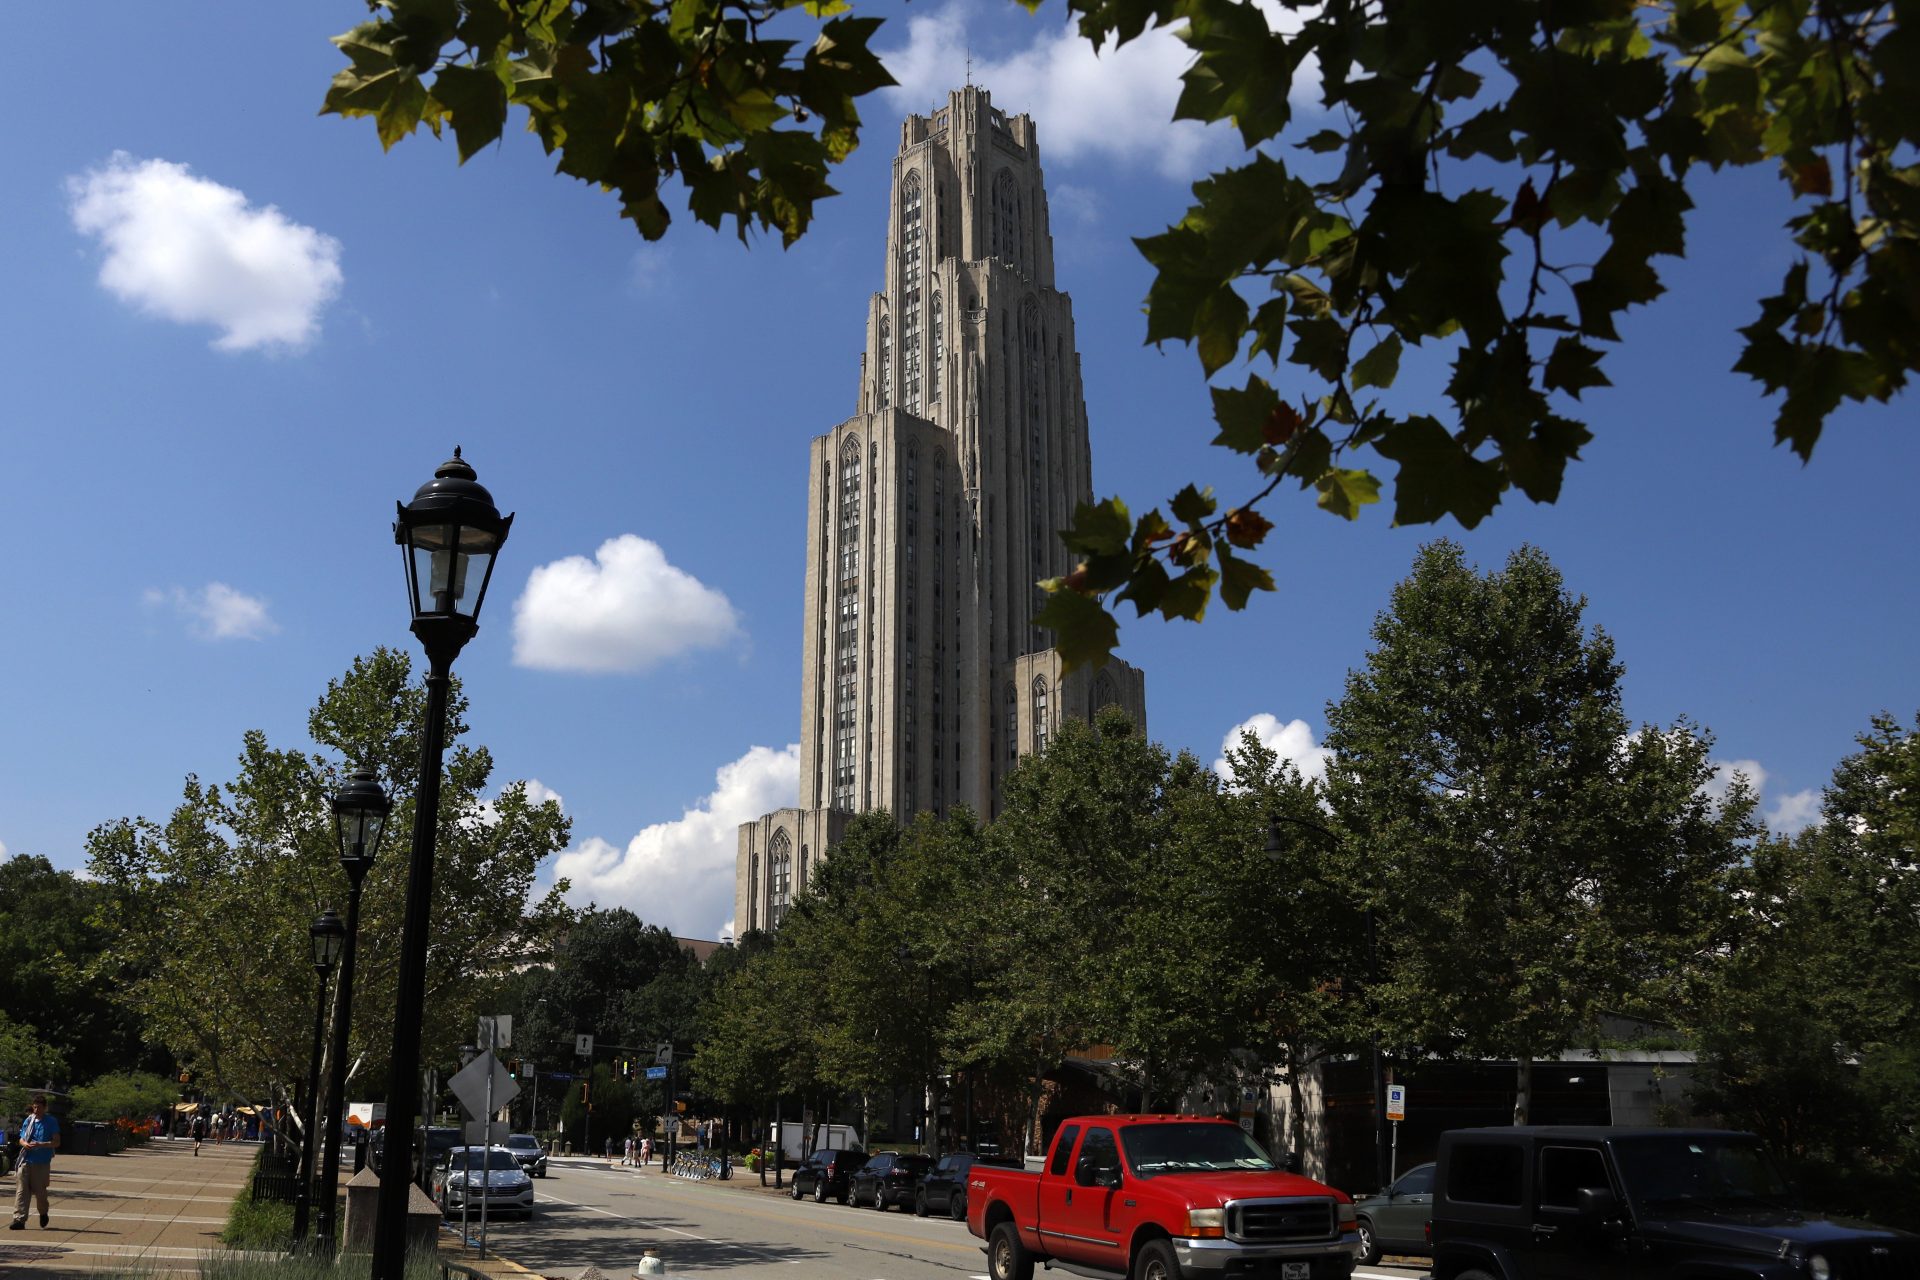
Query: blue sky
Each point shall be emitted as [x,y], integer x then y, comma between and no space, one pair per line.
[233,332]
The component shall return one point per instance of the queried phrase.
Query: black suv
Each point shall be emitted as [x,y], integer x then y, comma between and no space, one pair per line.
[888,1178]
[1593,1203]
[825,1174]
[944,1189]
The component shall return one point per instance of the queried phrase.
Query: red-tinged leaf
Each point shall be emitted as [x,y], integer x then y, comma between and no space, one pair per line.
[1246,527]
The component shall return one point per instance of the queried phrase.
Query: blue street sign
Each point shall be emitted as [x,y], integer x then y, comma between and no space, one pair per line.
[656,1073]
[557,1075]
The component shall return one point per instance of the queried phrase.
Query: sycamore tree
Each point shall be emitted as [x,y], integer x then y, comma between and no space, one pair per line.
[1811,1034]
[1533,861]
[211,908]
[1491,183]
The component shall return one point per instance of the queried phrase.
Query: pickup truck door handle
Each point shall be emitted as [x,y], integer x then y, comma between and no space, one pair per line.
[1069,1195]
[1543,1230]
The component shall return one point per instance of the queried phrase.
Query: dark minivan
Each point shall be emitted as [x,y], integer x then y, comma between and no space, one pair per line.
[1600,1203]
[825,1174]
[944,1189]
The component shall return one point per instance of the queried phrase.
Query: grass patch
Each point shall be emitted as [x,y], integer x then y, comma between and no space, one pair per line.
[257,1224]
[420,1266]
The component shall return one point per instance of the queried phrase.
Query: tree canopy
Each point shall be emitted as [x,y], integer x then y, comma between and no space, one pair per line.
[210,910]
[1494,183]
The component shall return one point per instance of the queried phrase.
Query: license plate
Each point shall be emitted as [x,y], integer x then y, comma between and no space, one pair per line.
[1296,1271]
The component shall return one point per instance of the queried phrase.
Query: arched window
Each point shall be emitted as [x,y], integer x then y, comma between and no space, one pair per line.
[1103,691]
[779,877]
[883,390]
[1039,714]
[801,886]
[939,351]
[910,273]
[1006,219]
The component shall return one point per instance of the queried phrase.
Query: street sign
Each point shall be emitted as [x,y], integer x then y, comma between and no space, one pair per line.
[1248,1104]
[469,1084]
[495,1032]
[559,1075]
[656,1073]
[663,1055]
[583,1046]
[1396,1102]
[479,1133]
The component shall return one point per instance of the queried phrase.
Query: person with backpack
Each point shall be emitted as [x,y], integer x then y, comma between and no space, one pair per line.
[198,1131]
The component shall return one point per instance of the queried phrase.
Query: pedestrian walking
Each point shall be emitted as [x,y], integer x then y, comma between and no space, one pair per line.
[39,1139]
[197,1131]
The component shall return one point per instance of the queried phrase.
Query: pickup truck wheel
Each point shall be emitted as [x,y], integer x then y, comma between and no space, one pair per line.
[957,1206]
[1475,1274]
[1156,1262]
[1369,1247]
[1007,1258]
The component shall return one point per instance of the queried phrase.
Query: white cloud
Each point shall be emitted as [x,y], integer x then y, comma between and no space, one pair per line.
[1290,741]
[627,609]
[3,850]
[1716,787]
[680,873]
[1116,105]
[217,611]
[647,271]
[486,812]
[1795,811]
[187,249]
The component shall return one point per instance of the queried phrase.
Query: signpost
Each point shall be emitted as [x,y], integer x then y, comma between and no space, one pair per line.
[1396,1112]
[1246,1110]
[478,1085]
[583,1046]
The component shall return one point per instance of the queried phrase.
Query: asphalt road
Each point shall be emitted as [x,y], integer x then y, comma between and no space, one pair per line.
[606,1217]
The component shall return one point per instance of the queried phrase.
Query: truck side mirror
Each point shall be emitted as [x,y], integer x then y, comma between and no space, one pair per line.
[1596,1204]
[1085,1173]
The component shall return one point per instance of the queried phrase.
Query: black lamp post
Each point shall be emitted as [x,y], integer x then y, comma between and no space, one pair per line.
[449,535]
[360,811]
[1381,1142]
[328,936]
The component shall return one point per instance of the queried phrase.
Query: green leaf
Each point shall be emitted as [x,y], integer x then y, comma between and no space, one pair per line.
[1243,414]
[1324,141]
[1191,506]
[1344,492]
[476,101]
[1378,367]
[1083,631]
[1437,476]
[1099,528]
[1573,367]
[1239,579]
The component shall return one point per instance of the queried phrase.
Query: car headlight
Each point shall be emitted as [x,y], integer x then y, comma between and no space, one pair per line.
[1206,1224]
[1818,1267]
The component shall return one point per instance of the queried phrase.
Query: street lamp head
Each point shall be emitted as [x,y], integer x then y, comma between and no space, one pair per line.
[450,533]
[1275,846]
[329,934]
[360,810]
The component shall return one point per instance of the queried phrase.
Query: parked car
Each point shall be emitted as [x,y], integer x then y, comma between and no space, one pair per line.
[440,1140]
[826,1174]
[469,1176]
[1538,1202]
[527,1150]
[1395,1221]
[888,1178]
[944,1188]
[1160,1198]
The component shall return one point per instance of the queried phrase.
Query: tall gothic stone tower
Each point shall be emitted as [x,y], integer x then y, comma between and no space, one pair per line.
[935,508]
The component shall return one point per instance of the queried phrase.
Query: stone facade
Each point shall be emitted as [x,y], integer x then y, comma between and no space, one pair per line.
[933,511]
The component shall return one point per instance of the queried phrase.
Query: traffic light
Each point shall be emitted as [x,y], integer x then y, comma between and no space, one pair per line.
[586,1091]
[186,1077]
[513,1067]
[679,1106]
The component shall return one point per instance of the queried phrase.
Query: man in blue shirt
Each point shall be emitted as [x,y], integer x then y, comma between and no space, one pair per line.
[39,1139]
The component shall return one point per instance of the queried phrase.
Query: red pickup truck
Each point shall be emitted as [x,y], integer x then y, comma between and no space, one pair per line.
[1160,1198]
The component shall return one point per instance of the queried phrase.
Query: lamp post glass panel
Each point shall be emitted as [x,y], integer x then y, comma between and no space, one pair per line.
[360,812]
[328,936]
[449,535]
[1382,1158]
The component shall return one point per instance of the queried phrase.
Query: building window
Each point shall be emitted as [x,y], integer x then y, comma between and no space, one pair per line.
[1039,714]
[939,351]
[910,273]
[1013,725]
[1006,221]
[884,390]
[1103,692]
[779,877]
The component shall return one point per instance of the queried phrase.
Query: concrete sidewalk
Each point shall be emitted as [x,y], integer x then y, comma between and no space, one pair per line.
[157,1207]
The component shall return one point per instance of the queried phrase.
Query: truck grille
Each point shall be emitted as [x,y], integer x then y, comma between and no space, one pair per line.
[1277,1221]
[1892,1260]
